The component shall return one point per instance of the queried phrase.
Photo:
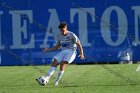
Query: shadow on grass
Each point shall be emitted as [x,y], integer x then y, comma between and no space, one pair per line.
[93,85]
[75,86]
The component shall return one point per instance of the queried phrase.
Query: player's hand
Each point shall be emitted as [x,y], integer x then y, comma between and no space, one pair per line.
[82,56]
[45,50]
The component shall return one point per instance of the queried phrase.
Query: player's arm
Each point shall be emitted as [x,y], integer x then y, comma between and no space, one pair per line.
[77,42]
[80,49]
[57,46]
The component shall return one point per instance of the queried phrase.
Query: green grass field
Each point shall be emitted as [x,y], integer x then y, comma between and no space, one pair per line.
[76,79]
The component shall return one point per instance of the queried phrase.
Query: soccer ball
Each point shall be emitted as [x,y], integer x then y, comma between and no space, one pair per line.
[42,81]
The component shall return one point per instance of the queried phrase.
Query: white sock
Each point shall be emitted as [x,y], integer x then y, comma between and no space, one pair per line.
[60,73]
[50,72]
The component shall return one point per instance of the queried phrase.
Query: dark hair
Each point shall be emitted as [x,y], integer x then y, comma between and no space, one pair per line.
[62,25]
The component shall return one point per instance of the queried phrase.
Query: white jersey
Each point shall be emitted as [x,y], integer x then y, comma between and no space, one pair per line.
[68,41]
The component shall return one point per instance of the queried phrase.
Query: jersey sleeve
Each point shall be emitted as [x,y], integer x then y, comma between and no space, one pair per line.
[75,38]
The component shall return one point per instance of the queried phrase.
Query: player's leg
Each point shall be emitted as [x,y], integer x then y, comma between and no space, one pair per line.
[63,65]
[68,57]
[56,60]
[52,69]
[55,63]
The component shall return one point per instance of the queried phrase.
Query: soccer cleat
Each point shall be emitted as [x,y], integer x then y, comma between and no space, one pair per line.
[46,80]
[138,68]
[56,83]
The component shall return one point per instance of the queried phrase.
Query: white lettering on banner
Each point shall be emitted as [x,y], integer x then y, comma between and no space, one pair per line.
[20,26]
[137,16]
[122,26]
[18,29]
[82,19]
[52,26]
[1,47]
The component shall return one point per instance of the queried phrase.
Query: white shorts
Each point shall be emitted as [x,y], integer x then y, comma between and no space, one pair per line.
[66,55]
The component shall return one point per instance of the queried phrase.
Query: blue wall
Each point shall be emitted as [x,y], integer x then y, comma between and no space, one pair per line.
[106,28]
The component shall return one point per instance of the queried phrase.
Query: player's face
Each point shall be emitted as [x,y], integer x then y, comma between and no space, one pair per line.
[63,31]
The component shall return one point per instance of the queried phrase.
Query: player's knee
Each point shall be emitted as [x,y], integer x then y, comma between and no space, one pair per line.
[63,65]
[55,63]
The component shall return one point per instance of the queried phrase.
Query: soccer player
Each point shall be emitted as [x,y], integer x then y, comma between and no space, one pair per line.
[68,43]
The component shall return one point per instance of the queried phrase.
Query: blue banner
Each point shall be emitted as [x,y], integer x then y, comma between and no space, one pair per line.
[107,29]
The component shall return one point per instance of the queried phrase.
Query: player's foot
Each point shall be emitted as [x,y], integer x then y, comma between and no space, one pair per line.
[46,79]
[138,68]
[56,83]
